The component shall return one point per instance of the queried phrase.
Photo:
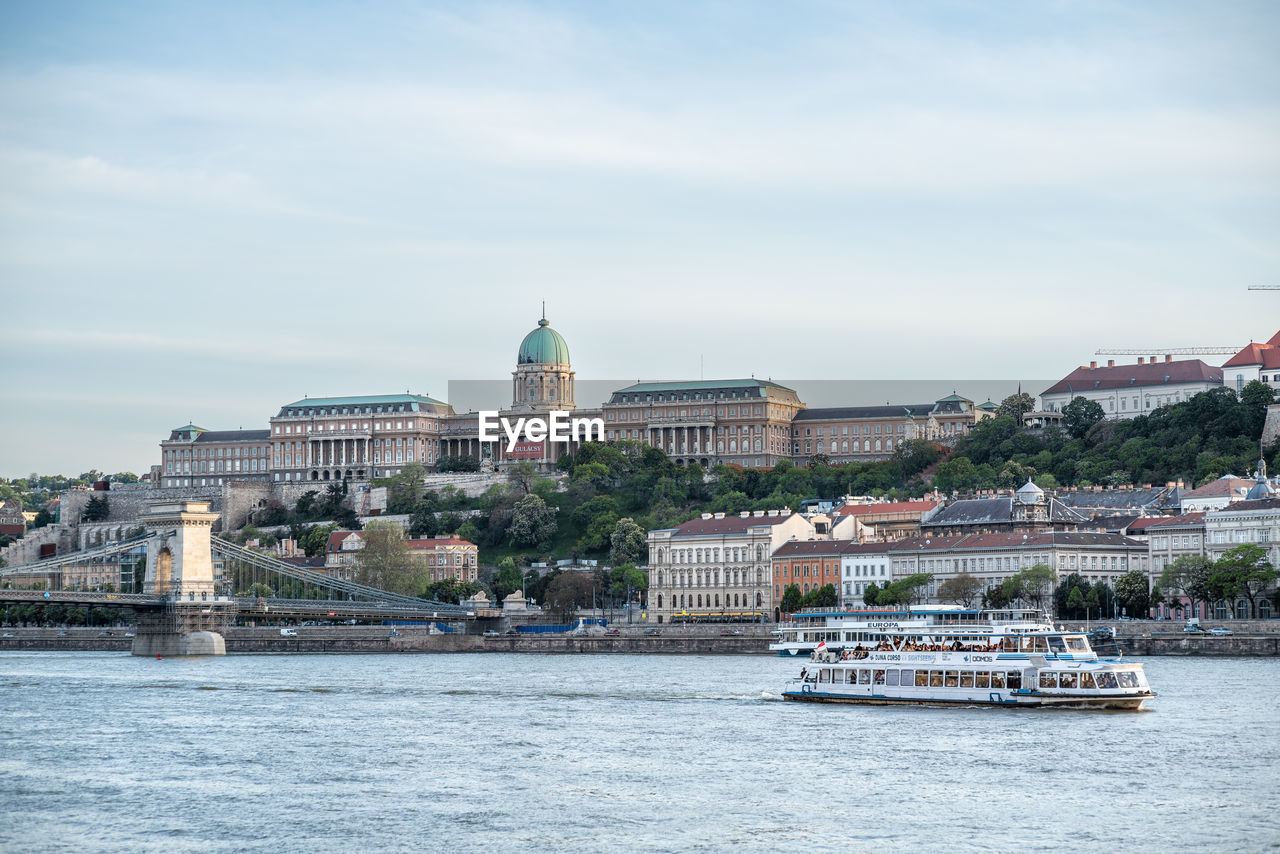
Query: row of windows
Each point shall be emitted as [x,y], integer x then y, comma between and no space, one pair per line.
[353,410]
[844,430]
[356,425]
[691,600]
[710,555]
[214,466]
[711,577]
[205,453]
[997,679]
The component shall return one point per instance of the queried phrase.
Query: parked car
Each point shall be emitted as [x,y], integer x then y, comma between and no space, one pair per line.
[10,635]
[490,633]
[612,632]
[62,634]
[653,632]
[106,634]
[288,633]
[1102,633]
[1194,628]
[731,631]
[1221,632]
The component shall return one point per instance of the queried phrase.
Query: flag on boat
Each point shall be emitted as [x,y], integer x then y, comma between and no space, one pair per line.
[821,647]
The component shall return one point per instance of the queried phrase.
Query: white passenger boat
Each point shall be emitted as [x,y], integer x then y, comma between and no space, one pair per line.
[978,662]
[840,630]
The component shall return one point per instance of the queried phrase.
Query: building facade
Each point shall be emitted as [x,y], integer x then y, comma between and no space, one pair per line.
[742,422]
[194,456]
[718,564]
[850,433]
[1127,391]
[1256,362]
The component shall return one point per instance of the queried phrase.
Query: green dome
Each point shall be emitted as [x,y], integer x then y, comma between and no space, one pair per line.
[543,345]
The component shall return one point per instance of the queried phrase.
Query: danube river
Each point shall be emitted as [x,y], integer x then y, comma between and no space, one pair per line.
[107,752]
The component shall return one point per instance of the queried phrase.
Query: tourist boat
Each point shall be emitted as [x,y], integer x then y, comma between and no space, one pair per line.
[994,660]
[841,630]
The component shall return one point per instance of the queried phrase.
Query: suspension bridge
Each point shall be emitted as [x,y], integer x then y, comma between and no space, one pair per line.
[184,609]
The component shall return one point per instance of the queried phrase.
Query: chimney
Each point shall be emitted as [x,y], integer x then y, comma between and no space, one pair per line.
[1093,365]
[718,515]
[744,514]
[1153,360]
[1111,363]
[706,516]
[1140,361]
[1168,358]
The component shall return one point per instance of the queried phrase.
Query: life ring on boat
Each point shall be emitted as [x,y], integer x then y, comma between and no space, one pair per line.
[806,688]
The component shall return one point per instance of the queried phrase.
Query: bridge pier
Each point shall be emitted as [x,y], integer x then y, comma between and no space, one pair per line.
[184,629]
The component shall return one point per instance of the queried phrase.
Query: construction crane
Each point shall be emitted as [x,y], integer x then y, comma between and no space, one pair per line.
[1165,351]
[1264,287]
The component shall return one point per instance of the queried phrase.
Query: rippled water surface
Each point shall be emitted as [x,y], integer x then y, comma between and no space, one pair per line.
[107,752]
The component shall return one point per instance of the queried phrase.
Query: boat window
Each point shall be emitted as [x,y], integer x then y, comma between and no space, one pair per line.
[1067,680]
[824,675]
[984,679]
[1075,643]
[1127,679]
[997,679]
[922,678]
[1107,679]
[966,678]
[1025,643]
[1010,645]
[1086,680]
[1013,680]
[852,676]
[1048,679]
[878,677]
[864,677]
[891,678]
[1056,644]
[935,678]
[953,678]
[1039,644]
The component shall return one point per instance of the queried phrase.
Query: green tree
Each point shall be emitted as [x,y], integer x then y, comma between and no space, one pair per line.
[1092,604]
[567,593]
[1190,576]
[1075,601]
[508,580]
[1081,414]
[904,591]
[1131,590]
[821,597]
[628,543]
[1243,570]
[1015,406]
[384,560]
[626,579]
[1037,584]
[405,489]
[98,509]
[790,599]
[314,539]
[963,589]
[871,595]
[533,523]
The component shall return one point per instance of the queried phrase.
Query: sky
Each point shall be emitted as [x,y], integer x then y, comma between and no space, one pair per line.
[212,209]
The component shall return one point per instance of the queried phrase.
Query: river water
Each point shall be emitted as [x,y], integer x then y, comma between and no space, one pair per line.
[107,752]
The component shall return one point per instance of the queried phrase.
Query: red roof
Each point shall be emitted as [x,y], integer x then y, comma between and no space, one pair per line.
[334,542]
[1160,521]
[1136,376]
[1267,355]
[1221,486]
[886,507]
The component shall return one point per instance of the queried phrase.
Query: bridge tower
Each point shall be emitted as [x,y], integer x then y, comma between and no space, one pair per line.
[180,568]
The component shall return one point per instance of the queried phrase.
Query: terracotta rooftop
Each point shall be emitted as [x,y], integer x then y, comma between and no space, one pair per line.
[1267,355]
[1225,485]
[1136,376]
[886,507]
[727,525]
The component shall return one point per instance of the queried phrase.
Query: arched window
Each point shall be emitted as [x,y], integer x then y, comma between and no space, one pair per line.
[659,601]
[699,600]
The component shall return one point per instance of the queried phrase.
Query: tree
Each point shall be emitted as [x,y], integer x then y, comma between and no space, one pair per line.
[1076,601]
[1243,570]
[524,475]
[533,523]
[98,509]
[821,597]
[871,595]
[1190,576]
[1037,583]
[904,591]
[963,589]
[626,578]
[1015,406]
[1081,414]
[628,542]
[790,599]
[405,489]
[384,561]
[313,540]
[508,580]
[568,592]
[1092,603]
[1131,590]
